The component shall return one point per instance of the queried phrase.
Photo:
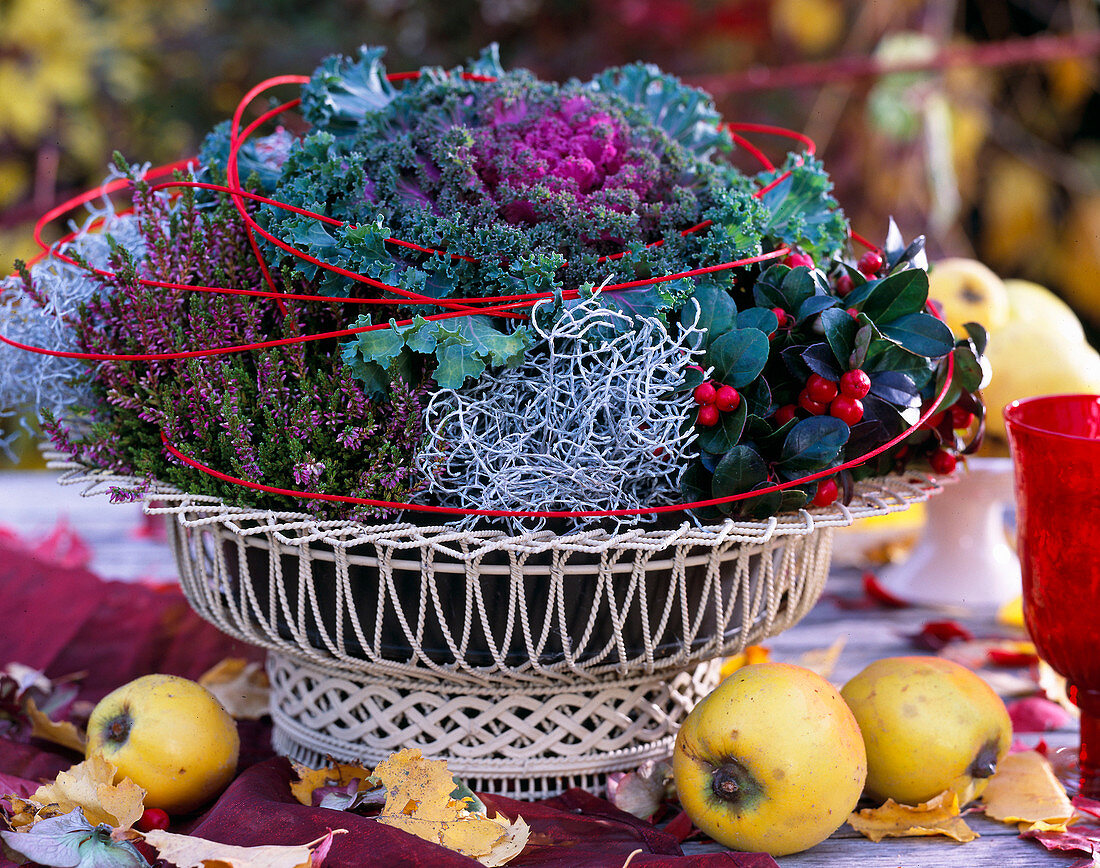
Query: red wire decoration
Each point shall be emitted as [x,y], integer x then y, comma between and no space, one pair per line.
[506,306]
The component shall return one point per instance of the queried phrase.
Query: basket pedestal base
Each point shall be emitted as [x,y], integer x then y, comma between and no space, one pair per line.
[541,739]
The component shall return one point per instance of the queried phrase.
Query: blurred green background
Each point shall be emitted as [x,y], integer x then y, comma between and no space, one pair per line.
[995,160]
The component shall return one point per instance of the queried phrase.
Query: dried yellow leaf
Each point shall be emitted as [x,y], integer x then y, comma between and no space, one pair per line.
[1025,790]
[752,654]
[187,851]
[90,786]
[241,686]
[418,801]
[938,816]
[335,775]
[63,733]
[823,660]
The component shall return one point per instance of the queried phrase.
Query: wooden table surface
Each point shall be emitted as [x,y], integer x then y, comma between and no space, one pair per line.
[32,505]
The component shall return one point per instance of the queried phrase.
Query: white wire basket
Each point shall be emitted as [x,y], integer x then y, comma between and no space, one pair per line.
[530,662]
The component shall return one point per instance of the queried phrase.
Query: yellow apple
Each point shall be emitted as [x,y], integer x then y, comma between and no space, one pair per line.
[168,735]
[929,725]
[771,761]
[1040,350]
[969,292]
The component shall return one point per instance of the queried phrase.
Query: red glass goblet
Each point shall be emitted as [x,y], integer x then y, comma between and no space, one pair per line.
[1055,446]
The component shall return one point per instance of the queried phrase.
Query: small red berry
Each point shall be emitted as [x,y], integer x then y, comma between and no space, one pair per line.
[847,410]
[853,313]
[855,384]
[153,818]
[780,315]
[869,263]
[942,461]
[820,389]
[960,417]
[794,260]
[827,491]
[808,404]
[844,284]
[705,393]
[784,414]
[727,399]
[708,415]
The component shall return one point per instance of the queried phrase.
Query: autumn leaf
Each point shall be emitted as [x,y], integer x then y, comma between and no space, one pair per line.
[418,801]
[187,851]
[63,732]
[314,785]
[90,787]
[1025,790]
[823,660]
[241,686]
[751,654]
[938,816]
[69,840]
[642,791]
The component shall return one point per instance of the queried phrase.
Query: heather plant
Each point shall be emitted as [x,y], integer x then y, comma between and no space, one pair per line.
[286,415]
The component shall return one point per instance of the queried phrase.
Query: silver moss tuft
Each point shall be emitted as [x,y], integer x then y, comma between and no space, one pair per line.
[593,420]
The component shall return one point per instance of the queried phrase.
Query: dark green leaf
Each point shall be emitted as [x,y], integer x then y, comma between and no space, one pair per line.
[895,387]
[978,335]
[763,506]
[921,334]
[814,305]
[968,370]
[840,333]
[896,296]
[739,356]
[741,469]
[717,312]
[819,358]
[761,318]
[812,445]
[692,378]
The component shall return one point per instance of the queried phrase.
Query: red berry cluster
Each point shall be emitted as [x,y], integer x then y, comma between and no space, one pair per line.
[794,260]
[714,400]
[841,400]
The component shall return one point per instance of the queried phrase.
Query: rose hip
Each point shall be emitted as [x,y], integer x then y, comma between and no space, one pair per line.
[708,415]
[705,393]
[847,410]
[810,405]
[869,263]
[942,461]
[827,491]
[821,389]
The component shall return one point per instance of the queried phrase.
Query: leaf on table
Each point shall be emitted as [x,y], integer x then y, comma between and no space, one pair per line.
[241,686]
[1083,837]
[187,851]
[823,660]
[69,840]
[751,654]
[935,635]
[1025,790]
[314,785]
[90,786]
[61,732]
[418,801]
[1087,806]
[1037,714]
[642,791]
[938,816]
[1053,686]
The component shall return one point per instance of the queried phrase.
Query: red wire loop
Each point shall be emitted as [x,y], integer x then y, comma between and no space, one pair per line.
[486,305]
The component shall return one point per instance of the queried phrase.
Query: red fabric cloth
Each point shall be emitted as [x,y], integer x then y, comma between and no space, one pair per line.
[63,619]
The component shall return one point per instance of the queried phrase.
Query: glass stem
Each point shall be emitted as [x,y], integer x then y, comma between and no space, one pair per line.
[1089,758]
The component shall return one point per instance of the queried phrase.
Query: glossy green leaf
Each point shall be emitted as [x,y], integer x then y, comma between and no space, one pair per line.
[725,435]
[739,356]
[740,470]
[812,445]
[921,334]
[896,296]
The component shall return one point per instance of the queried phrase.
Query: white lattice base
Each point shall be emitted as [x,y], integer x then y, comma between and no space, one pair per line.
[524,743]
[532,662]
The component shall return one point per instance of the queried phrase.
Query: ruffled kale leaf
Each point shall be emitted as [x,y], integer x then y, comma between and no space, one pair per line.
[462,346]
[687,114]
[343,90]
[803,214]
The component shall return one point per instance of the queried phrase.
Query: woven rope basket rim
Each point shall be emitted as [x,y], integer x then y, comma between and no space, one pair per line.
[876,496]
